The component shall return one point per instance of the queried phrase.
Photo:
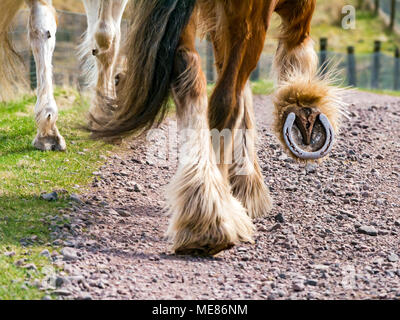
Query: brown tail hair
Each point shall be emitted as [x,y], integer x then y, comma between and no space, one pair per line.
[153,38]
[11,66]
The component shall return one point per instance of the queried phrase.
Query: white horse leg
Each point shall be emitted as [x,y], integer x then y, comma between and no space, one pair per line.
[42,36]
[107,37]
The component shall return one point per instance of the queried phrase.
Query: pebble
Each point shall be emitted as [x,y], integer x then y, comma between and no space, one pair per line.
[69,254]
[297,286]
[53,196]
[369,230]
[311,168]
[311,282]
[62,282]
[393,257]
[74,197]
[280,218]
[30,266]
[45,253]
[62,292]
[85,296]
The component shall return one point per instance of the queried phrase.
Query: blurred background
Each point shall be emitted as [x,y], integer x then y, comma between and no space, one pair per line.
[366,56]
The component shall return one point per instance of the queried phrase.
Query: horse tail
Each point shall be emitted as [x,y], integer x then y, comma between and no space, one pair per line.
[11,75]
[142,95]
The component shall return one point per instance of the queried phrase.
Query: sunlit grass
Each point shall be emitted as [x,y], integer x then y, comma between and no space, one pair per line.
[25,173]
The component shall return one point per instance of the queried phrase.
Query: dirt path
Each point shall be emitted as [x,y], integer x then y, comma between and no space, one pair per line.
[314,245]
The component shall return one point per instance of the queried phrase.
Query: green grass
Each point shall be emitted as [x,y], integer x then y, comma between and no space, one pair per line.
[24,174]
[262,87]
[327,23]
[368,29]
[385,92]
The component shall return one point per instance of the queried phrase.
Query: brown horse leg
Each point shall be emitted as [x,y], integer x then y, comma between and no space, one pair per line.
[205,217]
[245,174]
[237,105]
[301,92]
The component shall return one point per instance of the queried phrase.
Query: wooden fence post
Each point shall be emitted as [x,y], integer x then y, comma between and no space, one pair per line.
[392,15]
[32,72]
[323,55]
[351,67]
[376,7]
[396,69]
[210,61]
[376,65]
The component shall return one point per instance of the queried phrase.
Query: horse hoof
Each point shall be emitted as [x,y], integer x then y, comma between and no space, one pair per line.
[50,143]
[203,251]
[308,133]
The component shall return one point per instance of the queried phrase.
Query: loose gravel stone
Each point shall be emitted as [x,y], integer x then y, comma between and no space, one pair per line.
[279,218]
[297,286]
[393,257]
[62,292]
[76,198]
[53,196]
[69,254]
[311,168]
[45,253]
[369,230]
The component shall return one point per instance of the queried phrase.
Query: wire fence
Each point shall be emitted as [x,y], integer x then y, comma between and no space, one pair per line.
[386,7]
[376,70]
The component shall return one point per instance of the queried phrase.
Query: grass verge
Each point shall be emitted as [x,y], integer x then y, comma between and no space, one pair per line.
[25,219]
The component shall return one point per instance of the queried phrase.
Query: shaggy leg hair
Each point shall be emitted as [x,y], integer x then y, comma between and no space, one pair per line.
[237,53]
[206,218]
[245,173]
[296,70]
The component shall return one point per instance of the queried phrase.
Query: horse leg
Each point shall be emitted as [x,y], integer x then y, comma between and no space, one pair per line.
[307,108]
[233,96]
[206,218]
[42,36]
[245,173]
[107,37]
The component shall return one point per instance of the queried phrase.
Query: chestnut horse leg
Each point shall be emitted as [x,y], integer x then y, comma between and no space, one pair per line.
[235,98]
[206,218]
[42,36]
[304,99]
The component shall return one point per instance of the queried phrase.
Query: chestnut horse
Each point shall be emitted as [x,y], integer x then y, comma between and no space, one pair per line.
[211,206]
[101,40]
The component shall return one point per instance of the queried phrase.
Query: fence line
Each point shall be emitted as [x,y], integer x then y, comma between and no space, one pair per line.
[389,11]
[374,70]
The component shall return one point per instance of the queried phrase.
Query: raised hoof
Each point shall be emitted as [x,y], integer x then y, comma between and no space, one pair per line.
[50,143]
[204,251]
[308,133]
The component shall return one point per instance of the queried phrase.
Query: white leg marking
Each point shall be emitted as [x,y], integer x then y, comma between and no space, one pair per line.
[42,36]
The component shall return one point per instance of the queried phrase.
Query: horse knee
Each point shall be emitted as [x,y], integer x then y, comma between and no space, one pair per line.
[104,37]
[188,79]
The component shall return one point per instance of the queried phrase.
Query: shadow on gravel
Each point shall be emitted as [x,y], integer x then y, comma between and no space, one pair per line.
[28,220]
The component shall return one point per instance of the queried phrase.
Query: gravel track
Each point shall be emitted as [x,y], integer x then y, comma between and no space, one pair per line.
[334,232]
